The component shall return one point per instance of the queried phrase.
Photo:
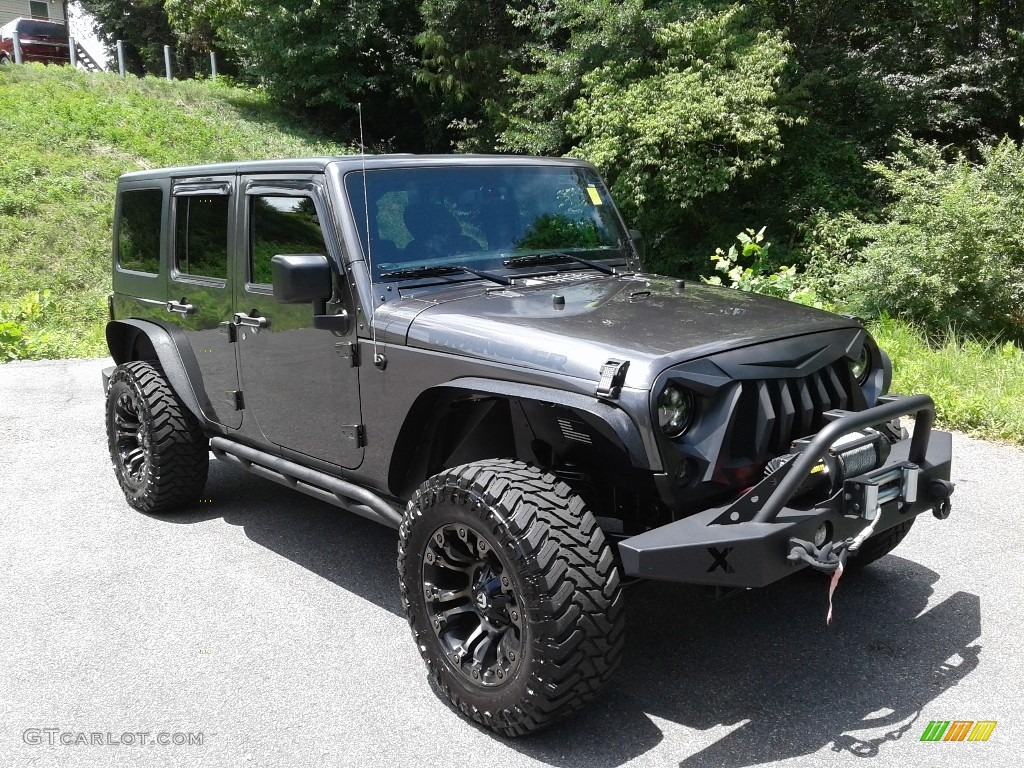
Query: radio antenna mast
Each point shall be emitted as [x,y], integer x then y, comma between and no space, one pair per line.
[378,359]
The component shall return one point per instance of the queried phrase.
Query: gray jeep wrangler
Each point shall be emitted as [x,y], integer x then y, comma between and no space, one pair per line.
[467,349]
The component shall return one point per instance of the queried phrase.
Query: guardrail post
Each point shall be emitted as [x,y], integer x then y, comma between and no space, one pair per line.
[73,46]
[17,47]
[213,65]
[167,61]
[120,57]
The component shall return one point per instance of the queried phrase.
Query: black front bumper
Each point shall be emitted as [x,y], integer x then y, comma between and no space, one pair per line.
[747,543]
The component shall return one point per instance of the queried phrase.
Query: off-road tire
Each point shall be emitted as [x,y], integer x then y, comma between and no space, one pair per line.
[879,546]
[160,454]
[557,593]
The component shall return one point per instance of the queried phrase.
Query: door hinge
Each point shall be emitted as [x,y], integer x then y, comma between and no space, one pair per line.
[229,329]
[235,399]
[354,433]
[348,350]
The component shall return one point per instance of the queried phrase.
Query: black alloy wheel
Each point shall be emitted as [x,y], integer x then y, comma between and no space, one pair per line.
[159,451]
[472,604]
[512,594]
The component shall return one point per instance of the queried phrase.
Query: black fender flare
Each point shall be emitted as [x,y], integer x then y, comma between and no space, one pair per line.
[611,422]
[608,421]
[170,347]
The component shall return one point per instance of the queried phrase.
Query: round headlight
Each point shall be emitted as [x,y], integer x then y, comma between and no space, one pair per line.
[675,410]
[861,367]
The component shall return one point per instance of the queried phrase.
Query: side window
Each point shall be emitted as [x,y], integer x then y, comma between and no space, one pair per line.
[201,235]
[138,231]
[281,224]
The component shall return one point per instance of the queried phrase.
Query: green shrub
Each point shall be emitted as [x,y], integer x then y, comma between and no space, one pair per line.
[21,327]
[947,251]
[758,275]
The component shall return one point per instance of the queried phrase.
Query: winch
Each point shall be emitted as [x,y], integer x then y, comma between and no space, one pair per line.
[851,455]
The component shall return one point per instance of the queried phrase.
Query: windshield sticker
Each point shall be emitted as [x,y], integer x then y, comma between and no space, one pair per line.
[595,197]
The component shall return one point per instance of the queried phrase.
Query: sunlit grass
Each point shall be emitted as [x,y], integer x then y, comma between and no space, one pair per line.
[65,137]
[977,385]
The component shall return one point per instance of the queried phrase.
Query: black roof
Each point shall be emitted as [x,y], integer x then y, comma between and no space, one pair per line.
[345,163]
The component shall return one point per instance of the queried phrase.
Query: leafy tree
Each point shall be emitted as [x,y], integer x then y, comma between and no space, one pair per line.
[567,39]
[324,58]
[467,46]
[143,27]
[690,120]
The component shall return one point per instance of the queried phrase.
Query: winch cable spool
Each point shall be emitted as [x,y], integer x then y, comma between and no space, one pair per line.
[851,455]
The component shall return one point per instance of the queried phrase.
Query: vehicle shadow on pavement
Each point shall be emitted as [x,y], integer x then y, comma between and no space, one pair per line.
[356,554]
[765,665]
[760,667]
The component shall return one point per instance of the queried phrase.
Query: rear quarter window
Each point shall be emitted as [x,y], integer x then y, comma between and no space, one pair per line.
[138,232]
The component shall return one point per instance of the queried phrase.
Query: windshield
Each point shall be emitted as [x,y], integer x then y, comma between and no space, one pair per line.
[481,216]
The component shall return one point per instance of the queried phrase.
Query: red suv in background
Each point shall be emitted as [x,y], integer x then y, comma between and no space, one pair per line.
[43,41]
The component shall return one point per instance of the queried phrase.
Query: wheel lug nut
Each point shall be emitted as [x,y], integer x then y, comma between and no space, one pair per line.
[511,655]
[504,580]
[515,616]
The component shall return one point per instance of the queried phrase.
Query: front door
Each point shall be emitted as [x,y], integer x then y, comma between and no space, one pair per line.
[200,289]
[300,383]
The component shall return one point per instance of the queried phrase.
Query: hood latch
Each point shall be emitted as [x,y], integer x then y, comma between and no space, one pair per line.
[613,374]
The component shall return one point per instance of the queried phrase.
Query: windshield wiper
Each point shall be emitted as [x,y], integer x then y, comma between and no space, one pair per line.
[446,269]
[556,258]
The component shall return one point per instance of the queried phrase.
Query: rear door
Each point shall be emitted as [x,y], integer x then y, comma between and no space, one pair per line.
[200,289]
[300,383]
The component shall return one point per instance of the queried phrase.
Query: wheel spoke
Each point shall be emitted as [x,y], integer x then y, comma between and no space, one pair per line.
[458,610]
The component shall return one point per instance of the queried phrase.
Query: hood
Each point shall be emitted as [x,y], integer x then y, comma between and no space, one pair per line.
[654,322]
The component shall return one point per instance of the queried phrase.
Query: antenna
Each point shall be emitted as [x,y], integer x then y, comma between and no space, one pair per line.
[378,358]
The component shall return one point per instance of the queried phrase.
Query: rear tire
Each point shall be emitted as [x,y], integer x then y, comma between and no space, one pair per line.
[512,594]
[160,454]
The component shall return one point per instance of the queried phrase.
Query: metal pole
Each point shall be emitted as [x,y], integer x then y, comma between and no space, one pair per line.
[167,61]
[213,65]
[73,50]
[120,57]
[17,47]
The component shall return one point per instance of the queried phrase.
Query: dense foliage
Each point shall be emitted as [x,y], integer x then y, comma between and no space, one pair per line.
[705,117]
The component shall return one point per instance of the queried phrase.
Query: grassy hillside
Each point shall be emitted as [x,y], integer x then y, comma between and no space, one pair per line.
[65,137]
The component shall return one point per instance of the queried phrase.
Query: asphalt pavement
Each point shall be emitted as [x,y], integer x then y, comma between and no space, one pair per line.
[264,629]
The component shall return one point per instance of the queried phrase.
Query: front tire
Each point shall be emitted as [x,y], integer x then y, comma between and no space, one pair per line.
[160,454]
[877,547]
[512,594]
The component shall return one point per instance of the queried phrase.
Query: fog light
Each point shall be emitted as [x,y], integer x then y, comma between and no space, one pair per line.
[685,473]
[823,534]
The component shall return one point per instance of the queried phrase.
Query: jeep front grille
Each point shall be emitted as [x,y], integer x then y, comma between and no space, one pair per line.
[772,413]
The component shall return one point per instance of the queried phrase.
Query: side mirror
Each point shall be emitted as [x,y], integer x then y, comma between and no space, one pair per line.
[301,278]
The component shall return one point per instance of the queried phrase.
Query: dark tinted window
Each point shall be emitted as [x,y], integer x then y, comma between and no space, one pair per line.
[201,235]
[281,225]
[45,29]
[138,233]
